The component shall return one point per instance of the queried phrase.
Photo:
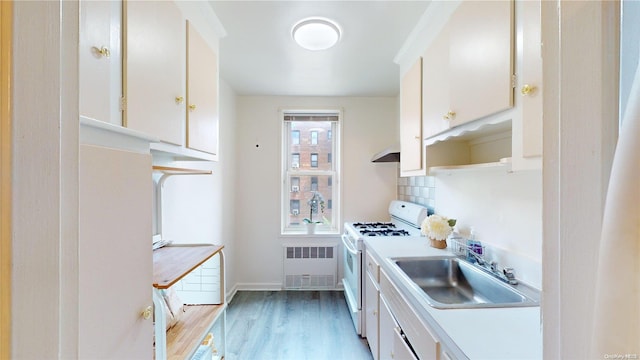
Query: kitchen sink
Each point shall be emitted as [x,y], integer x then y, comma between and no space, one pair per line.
[450,283]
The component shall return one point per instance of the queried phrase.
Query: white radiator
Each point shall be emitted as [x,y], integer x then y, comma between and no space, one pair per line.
[310,267]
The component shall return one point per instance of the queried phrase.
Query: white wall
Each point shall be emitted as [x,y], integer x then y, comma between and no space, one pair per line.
[201,208]
[44,287]
[505,211]
[580,132]
[369,125]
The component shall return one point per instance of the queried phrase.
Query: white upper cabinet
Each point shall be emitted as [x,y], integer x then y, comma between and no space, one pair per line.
[530,79]
[411,160]
[468,67]
[202,94]
[100,60]
[435,80]
[155,66]
[480,60]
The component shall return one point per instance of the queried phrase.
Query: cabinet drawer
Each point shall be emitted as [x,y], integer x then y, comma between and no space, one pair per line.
[373,267]
[425,345]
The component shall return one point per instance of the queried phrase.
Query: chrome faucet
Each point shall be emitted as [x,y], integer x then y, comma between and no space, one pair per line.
[507,275]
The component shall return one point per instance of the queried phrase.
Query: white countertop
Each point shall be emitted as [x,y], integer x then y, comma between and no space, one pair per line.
[490,333]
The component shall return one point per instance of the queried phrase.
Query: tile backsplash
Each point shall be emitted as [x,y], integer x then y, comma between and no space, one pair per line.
[417,189]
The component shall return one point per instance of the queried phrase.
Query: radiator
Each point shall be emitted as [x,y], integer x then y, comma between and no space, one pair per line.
[310,267]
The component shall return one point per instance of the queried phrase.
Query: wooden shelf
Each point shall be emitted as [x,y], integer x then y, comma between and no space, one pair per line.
[183,339]
[180,171]
[172,263]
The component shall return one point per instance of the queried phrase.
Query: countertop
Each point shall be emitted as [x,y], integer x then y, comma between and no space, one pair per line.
[493,333]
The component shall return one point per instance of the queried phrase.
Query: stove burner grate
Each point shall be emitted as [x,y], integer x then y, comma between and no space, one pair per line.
[384,232]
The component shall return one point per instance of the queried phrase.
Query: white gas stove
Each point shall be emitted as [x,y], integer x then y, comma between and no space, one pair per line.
[405,220]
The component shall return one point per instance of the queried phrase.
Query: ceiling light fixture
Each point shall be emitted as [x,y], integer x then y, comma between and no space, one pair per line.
[316,33]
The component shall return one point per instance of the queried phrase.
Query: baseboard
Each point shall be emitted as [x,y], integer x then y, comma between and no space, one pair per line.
[268,287]
[258,286]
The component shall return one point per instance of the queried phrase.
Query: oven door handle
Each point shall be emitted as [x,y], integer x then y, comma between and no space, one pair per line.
[347,245]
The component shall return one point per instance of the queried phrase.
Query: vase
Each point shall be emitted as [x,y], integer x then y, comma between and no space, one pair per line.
[438,244]
[311,228]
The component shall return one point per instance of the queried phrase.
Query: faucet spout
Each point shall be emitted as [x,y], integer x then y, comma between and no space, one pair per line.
[507,274]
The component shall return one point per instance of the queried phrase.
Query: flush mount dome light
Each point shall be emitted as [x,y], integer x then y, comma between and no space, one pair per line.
[316,33]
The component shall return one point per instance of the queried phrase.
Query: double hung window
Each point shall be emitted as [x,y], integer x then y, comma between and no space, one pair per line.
[310,158]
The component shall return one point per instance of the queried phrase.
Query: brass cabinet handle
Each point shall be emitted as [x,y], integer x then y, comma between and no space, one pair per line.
[103,51]
[179,99]
[449,115]
[148,311]
[192,107]
[527,89]
[417,137]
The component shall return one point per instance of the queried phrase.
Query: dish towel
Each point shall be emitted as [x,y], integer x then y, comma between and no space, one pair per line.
[616,330]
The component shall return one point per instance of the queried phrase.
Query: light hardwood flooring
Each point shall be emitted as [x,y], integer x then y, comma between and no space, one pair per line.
[313,325]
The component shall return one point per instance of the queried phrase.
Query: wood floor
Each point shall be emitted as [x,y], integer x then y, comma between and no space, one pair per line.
[313,325]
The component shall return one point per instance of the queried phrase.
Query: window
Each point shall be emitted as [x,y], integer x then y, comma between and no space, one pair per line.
[295,160]
[295,184]
[295,207]
[303,174]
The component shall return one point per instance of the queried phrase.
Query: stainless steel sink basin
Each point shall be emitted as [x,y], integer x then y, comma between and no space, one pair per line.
[448,282]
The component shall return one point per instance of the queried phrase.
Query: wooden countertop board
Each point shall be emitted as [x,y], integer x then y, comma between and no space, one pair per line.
[172,263]
[183,338]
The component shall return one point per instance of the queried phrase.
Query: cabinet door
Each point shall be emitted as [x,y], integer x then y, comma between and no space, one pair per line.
[435,85]
[115,258]
[387,327]
[481,59]
[202,87]
[411,119]
[100,60]
[371,315]
[155,66]
[531,75]
[401,350]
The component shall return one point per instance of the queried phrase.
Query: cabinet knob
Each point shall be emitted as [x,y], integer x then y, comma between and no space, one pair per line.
[449,115]
[527,89]
[148,311]
[102,51]
[375,312]
[192,107]
[417,137]
[179,99]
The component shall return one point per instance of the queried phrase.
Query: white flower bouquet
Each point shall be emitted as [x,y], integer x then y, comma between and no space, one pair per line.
[437,228]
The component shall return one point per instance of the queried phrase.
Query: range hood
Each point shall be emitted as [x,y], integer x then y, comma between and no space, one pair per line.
[390,154]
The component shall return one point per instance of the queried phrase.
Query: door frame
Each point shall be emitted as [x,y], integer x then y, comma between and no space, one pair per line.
[6,17]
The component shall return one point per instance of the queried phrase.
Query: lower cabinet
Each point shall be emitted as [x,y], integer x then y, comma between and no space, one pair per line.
[387,326]
[393,344]
[402,334]
[371,314]
[115,263]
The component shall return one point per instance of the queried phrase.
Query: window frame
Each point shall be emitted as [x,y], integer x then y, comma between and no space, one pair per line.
[288,172]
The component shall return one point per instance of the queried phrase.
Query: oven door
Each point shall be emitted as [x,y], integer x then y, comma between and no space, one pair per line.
[352,281]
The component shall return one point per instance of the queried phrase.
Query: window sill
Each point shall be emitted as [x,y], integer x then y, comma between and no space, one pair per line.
[304,233]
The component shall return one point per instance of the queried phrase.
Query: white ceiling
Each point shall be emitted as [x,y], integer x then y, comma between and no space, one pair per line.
[259,57]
